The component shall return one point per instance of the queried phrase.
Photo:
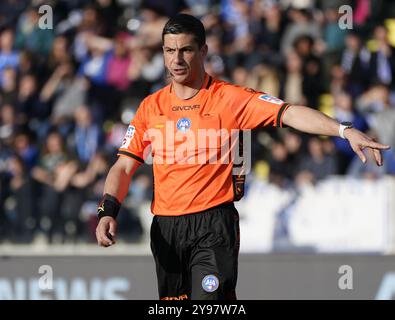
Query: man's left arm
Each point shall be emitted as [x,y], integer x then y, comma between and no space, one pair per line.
[315,122]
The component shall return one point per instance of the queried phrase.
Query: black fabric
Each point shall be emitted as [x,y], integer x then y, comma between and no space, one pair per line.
[189,247]
[238,186]
[238,180]
[210,80]
[109,207]
[280,113]
[131,155]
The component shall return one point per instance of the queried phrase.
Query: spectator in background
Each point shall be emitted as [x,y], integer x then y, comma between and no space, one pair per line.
[27,65]
[95,63]
[9,57]
[20,204]
[90,25]
[53,173]
[362,12]
[146,70]
[295,146]
[89,183]
[152,20]
[169,8]
[7,131]
[30,36]
[59,55]
[53,155]
[382,61]
[316,165]
[337,80]
[119,64]
[214,25]
[243,29]
[301,24]
[92,177]
[215,61]
[4,186]
[280,171]
[9,86]
[355,63]
[380,114]
[333,42]
[30,107]
[64,93]
[109,12]
[86,136]
[292,85]
[26,149]
[344,112]
[265,78]
[240,76]
[199,7]
[9,11]
[8,124]
[103,99]
[333,36]
[245,55]
[312,85]
[271,29]
[234,13]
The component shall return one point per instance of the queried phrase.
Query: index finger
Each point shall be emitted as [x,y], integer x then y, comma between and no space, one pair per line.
[376,145]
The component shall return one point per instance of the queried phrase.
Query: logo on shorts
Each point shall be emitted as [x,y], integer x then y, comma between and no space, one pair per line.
[183,124]
[210,283]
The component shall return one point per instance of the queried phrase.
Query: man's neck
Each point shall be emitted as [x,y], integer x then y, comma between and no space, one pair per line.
[187,91]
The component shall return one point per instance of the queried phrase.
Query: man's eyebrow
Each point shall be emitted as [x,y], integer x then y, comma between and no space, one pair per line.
[188,46]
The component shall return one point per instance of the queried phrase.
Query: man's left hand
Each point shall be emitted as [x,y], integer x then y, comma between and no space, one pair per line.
[360,141]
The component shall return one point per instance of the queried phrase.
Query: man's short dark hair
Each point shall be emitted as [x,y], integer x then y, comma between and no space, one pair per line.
[185,23]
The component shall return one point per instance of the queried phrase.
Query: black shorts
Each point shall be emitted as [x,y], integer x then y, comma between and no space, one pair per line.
[196,255]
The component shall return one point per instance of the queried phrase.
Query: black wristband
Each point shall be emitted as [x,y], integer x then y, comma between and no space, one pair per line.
[108,207]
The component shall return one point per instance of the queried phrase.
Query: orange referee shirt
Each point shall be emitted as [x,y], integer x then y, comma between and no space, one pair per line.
[188,174]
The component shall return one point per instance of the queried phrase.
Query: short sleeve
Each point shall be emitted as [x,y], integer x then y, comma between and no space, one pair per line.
[135,140]
[254,109]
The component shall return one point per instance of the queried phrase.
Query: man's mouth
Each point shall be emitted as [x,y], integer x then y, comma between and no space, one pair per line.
[179,71]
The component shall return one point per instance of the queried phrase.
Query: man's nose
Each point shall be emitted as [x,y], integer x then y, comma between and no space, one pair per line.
[178,57]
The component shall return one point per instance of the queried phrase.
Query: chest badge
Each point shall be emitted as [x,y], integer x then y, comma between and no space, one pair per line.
[183,124]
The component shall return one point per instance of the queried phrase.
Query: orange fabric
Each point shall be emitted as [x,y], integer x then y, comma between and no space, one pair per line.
[183,188]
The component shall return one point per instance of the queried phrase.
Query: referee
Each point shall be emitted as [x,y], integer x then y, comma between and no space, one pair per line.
[195,228]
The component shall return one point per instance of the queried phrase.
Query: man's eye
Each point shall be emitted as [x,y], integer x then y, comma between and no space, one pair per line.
[170,50]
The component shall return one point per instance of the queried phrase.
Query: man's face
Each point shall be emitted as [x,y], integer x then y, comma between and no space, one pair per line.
[183,58]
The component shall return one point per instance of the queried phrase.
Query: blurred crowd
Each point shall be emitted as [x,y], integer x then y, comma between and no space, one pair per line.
[68,93]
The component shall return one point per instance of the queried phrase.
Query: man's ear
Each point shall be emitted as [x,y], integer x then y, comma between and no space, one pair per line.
[204,50]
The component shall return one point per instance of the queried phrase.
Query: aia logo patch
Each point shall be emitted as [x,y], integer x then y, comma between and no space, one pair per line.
[210,283]
[183,124]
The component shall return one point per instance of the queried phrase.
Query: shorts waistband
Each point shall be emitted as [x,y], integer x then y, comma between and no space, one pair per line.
[225,205]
